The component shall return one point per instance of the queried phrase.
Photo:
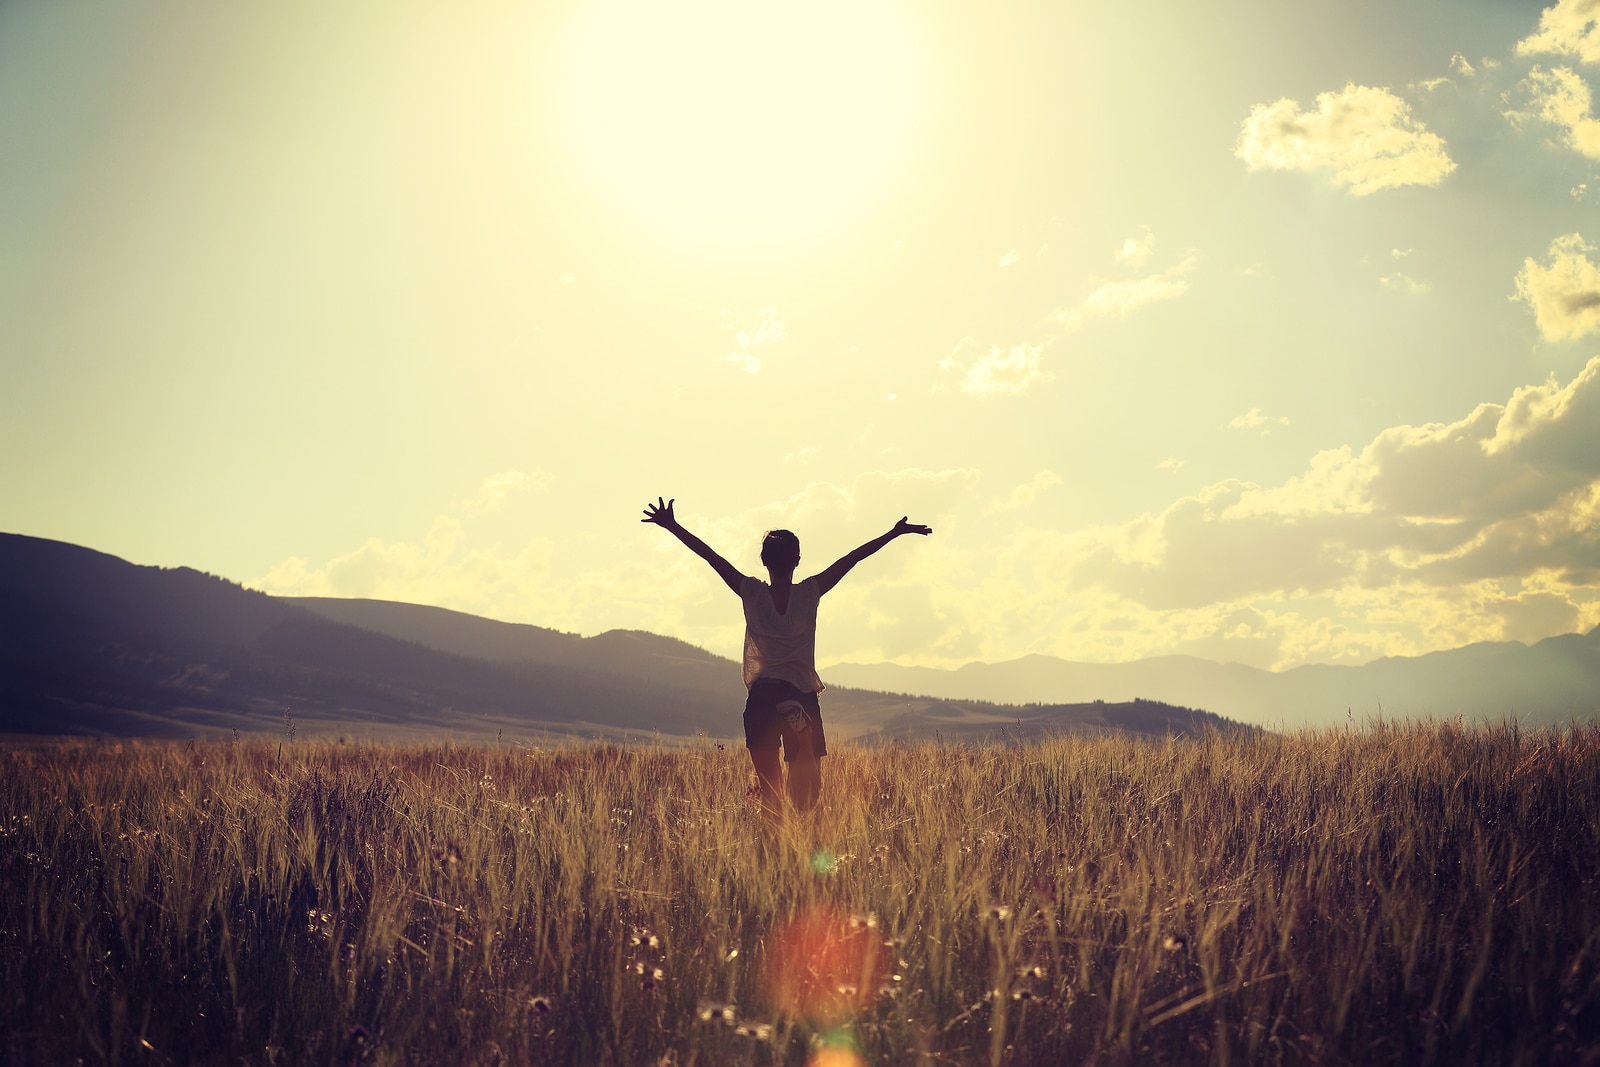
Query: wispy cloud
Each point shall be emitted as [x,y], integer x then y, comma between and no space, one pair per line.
[1000,371]
[1024,495]
[1570,28]
[1564,292]
[498,488]
[1137,250]
[1010,259]
[1120,299]
[1366,136]
[760,328]
[752,330]
[1403,283]
[1254,419]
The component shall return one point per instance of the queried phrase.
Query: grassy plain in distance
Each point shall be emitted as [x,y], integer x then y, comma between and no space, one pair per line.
[1413,894]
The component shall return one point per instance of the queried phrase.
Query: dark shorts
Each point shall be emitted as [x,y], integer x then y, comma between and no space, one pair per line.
[765,724]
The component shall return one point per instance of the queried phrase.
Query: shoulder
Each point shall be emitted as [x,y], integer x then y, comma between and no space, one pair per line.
[749,587]
[810,588]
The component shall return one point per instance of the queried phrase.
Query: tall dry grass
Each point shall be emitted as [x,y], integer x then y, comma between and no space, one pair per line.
[1394,895]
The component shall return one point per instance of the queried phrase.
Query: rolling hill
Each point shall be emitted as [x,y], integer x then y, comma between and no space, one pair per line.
[92,644]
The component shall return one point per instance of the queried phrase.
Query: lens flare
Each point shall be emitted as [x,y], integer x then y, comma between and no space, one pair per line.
[824,967]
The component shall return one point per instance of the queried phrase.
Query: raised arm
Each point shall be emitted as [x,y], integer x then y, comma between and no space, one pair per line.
[841,567]
[660,513]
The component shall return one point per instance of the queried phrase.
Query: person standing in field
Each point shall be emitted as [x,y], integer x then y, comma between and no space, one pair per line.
[780,641]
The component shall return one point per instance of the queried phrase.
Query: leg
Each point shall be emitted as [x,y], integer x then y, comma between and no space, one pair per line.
[805,782]
[769,774]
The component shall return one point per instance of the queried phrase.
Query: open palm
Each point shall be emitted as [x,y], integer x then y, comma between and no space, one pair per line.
[660,513]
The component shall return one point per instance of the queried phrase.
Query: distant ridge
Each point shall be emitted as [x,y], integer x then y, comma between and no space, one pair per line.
[92,644]
[1553,681]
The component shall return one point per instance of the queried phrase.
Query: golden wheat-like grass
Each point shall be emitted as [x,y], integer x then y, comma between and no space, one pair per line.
[1425,893]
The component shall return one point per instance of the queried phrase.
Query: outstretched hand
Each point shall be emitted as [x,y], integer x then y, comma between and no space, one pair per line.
[660,513]
[904,527]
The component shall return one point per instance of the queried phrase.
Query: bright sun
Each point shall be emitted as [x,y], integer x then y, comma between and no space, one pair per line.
[740,119]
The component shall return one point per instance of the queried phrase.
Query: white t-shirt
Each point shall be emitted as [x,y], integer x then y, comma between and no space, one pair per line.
[781,645]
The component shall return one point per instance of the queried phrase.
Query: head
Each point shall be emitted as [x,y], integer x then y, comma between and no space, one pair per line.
[780,550]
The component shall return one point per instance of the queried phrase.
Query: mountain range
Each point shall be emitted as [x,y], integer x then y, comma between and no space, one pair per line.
[94,645]
[1554,681]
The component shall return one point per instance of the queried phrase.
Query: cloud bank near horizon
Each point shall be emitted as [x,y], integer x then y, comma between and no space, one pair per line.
[1426,537]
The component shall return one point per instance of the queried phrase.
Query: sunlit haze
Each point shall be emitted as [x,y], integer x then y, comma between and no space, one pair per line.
[1252,331]
[740,121]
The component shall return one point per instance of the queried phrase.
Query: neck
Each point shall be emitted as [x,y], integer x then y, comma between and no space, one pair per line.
[779,579]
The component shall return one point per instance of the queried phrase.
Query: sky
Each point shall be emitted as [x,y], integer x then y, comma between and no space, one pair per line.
[1255,331]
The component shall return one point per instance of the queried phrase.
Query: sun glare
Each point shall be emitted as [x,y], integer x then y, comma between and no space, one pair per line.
[741,119]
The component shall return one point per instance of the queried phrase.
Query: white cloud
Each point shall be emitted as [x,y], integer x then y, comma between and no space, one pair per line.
[497,488]
[1119,299]
[1401,253]
[1570,28]
[759,328]
[751,330]
[1024,495]
[1137,250]
[1460,66]
[801,455]
[1367,137]
[435,571]
[1009,259]
[1561,98]
[1172,464]
[999,371]
[439,569]
[1507,491]
[1564,294]
[1403,283]
[1487,528]
[1255,420]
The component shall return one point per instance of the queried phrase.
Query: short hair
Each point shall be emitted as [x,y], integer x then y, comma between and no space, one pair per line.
[780,549]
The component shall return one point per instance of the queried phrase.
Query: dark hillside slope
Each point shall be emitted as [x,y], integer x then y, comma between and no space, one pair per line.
[91,644]
[647,657]
[856,712]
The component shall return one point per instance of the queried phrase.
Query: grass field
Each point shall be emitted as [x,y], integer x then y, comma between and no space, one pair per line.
[1417,894]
